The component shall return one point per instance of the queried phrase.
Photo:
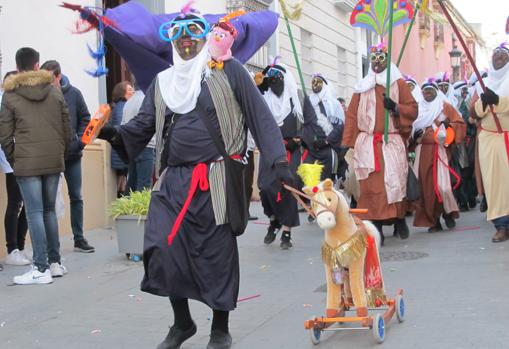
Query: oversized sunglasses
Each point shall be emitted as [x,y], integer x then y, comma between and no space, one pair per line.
[274,73]
[197,28]
[378,57]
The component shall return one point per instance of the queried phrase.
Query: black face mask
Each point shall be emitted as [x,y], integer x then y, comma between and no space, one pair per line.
[278,86]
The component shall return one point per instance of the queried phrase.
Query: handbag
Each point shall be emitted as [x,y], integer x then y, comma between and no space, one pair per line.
[412,186]
[236,198]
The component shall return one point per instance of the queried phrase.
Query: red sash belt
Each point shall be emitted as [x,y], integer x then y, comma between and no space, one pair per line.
[436,159]
[506,139]
[379,138]
[199,177]
[304,155]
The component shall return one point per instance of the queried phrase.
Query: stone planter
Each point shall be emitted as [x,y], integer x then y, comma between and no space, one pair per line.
[130,232]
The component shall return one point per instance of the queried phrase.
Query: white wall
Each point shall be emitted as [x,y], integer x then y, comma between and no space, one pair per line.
[204,6]
[46,27]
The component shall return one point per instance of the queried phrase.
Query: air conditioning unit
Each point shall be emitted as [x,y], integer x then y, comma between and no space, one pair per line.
[345,5]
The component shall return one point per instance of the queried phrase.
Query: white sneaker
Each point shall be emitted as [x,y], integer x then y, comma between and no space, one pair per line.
[27,254]
[34,276]
[16,258]
[57,270]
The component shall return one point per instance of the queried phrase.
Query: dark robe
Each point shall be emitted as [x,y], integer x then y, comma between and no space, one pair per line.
[317,142]
[372,189]
[203,262]
[286,209]
[428,208]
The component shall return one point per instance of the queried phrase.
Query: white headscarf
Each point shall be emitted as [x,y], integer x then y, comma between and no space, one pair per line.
[498,80]
[181,83]
[333,108]
[451,98]
[281,106]
[373,79]
[429,111]
[475,86]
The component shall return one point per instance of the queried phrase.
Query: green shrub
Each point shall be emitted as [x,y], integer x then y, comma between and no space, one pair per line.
[136,204]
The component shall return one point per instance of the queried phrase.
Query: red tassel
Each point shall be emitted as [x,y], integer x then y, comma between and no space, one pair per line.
[278,199]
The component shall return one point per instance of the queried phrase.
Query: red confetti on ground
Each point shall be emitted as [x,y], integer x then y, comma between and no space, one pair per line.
[248,298]
[466,228]
[262,223]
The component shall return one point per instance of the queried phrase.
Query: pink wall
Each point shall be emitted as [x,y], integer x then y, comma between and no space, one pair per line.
[419,62]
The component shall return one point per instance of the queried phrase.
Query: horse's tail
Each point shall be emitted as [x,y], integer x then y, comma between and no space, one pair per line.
[373,231]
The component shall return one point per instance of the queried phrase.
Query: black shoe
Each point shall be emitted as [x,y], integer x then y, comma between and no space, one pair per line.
[252,218]
[437,227]
[472,203]
[450,223]
[219,340]
[272,232]
[83,246]
[176,337]
[402,228]
[483,207]
[286,240]
[464,208]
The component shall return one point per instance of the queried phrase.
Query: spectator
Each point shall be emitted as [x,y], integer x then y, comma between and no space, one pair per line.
[141,169]
[79,117]
[121,93]
[34,114]
[15,221]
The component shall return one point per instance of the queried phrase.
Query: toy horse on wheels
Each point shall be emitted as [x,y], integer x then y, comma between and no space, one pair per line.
[352,265]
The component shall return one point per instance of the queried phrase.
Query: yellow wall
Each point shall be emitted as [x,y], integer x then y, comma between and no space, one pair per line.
[99,189]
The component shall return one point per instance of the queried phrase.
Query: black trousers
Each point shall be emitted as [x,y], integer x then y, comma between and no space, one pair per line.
[15,221]
[249,176]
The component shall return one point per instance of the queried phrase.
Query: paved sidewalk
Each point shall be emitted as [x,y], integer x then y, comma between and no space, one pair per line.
[455,289]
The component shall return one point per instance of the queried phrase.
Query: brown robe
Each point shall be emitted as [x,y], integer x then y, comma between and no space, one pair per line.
[428,209]
[372,190]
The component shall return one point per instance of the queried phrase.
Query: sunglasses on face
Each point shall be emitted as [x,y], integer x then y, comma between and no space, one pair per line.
[378,57]
[195,28]
[274,73]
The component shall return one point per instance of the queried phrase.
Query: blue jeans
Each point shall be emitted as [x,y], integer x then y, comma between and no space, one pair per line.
[501,222]
[141,170]
[73,178]
[39,196]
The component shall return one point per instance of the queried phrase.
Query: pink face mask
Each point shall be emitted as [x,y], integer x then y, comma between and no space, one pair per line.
[220,43]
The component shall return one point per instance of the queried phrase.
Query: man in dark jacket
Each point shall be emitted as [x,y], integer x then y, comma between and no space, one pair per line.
[78,118]
[35,135]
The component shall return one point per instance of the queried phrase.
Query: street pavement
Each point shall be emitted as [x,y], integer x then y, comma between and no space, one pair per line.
[455,283]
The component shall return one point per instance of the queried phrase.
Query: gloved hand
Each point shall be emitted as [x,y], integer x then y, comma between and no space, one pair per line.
[489,98]
[283,174]
[417,134]
[441,136]
[446,123]
[320,144]
[291,145]
[107,133]
[389,104]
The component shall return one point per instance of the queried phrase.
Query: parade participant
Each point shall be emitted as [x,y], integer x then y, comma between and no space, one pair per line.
[494,142]
[444,84]
[381,168]
[280,92]
[463,157]
[432,155]
[323,134]
[190,247]
[412,85]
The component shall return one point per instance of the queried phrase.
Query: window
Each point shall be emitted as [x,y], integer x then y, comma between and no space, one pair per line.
[306,48]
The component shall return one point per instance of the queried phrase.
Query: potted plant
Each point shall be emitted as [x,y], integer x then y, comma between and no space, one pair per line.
[129,213]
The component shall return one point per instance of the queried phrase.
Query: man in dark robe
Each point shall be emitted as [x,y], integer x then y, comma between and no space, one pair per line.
[323,131]
[381,167]
[190,251]
[433,154]
[280,92]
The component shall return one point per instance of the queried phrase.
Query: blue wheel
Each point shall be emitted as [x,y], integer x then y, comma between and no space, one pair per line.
[379,328]
[315,334]
[400,308]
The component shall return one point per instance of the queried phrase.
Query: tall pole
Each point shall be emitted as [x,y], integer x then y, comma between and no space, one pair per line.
[407,35]
[388,84]
[470,58]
